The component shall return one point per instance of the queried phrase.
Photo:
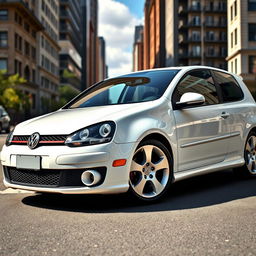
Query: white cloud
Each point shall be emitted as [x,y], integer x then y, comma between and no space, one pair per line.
[117,25]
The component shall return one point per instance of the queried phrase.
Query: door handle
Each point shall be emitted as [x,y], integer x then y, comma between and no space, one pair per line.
[225,115]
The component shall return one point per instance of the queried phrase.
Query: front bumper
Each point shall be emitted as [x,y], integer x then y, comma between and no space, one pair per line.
[65,158]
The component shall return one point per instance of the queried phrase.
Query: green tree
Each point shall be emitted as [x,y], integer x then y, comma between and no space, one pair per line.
[10,96]
[67,93]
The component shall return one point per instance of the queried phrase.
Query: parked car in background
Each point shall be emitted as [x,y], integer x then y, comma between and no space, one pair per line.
[4,120]
[139,133]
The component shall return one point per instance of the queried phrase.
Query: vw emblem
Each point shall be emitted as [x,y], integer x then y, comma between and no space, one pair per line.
[33,140]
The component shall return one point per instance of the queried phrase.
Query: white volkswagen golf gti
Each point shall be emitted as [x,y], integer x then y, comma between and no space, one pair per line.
[139,133]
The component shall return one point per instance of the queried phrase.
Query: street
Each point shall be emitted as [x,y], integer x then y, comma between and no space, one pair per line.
[209,215]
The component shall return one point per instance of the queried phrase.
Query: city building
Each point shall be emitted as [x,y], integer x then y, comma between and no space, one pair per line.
[154,34]
[47,11]
[242,40]
[185,32]
[101,65]
[90,43]
[70,41]
[19,28]
[202,33]
[138,49]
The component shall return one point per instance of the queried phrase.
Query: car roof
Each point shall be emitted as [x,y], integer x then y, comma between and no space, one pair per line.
[183,68]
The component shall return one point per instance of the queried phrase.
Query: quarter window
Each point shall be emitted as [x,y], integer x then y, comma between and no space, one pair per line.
[199,81]
[229,87]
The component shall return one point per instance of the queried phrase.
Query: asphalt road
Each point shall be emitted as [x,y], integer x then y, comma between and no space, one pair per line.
[209,215]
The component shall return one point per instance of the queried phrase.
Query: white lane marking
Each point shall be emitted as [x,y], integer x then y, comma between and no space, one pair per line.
[15,191]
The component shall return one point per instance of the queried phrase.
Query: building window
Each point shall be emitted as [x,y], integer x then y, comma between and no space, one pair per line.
[232,40]
[16,41]
[16,66]
[33,33]
[196,21]
[196,50]
[33,76]
[223,36]
[210,51]
[235,36]
[27,27]
[33,52]
[251,5]
[252,31]
[3,64]
[3,38]
[27,73]
[235,8]
[196,35]
[231,12]
[3,14]
[27,48]
[235,66]
[20,43]
[232,66]
[16,17]
[210,36]
[252,64]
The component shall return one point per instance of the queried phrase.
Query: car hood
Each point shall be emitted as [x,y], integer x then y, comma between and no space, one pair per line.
[66,121]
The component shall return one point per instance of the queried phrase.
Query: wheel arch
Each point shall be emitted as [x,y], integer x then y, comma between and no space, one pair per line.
[161,138]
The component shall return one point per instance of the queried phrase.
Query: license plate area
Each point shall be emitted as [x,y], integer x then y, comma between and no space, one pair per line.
[28,162]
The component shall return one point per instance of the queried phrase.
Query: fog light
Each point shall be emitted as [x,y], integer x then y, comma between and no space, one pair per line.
[90,177]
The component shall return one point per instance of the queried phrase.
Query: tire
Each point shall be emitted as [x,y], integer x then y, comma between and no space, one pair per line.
[0,128]
[151,171]
[249,168]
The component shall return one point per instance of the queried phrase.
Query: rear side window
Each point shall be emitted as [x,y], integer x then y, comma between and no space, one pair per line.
[198,81]
[230,89]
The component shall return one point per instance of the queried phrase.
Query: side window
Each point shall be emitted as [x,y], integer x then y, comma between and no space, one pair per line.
[229,87]
[199,81]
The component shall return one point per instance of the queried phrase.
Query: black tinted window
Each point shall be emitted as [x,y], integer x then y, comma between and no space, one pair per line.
[229,87]
[199,81]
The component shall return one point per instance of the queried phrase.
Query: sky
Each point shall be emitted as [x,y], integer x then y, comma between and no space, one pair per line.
[117,21]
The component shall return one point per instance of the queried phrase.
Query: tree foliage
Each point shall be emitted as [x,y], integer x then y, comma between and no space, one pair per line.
[67,93]
[10,96]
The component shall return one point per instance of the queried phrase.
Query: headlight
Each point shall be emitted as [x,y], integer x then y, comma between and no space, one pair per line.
[91,135]
[9,138]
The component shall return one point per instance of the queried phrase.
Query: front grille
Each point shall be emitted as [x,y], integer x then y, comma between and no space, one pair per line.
[49,178]
[44,139]
[20,138]
[53,137]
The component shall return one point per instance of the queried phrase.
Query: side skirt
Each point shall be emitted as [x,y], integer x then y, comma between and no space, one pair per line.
[208,169]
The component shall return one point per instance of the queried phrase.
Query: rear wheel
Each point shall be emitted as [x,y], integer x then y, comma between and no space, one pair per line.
[151,171]
[249,168]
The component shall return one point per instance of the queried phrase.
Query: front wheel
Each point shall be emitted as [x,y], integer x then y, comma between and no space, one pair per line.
[249,168]
[151,171]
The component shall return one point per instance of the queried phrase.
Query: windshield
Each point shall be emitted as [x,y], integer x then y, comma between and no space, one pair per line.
[134,88]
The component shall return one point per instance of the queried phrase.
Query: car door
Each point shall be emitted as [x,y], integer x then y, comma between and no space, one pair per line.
[236,110]
[202,131]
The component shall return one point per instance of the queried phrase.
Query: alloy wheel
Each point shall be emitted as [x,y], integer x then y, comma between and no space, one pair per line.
[150,171]
[250,154]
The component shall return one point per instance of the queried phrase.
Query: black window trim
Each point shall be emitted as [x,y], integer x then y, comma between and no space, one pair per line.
[218,90]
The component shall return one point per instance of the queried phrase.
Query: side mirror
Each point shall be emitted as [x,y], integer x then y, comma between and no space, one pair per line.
[190,99]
